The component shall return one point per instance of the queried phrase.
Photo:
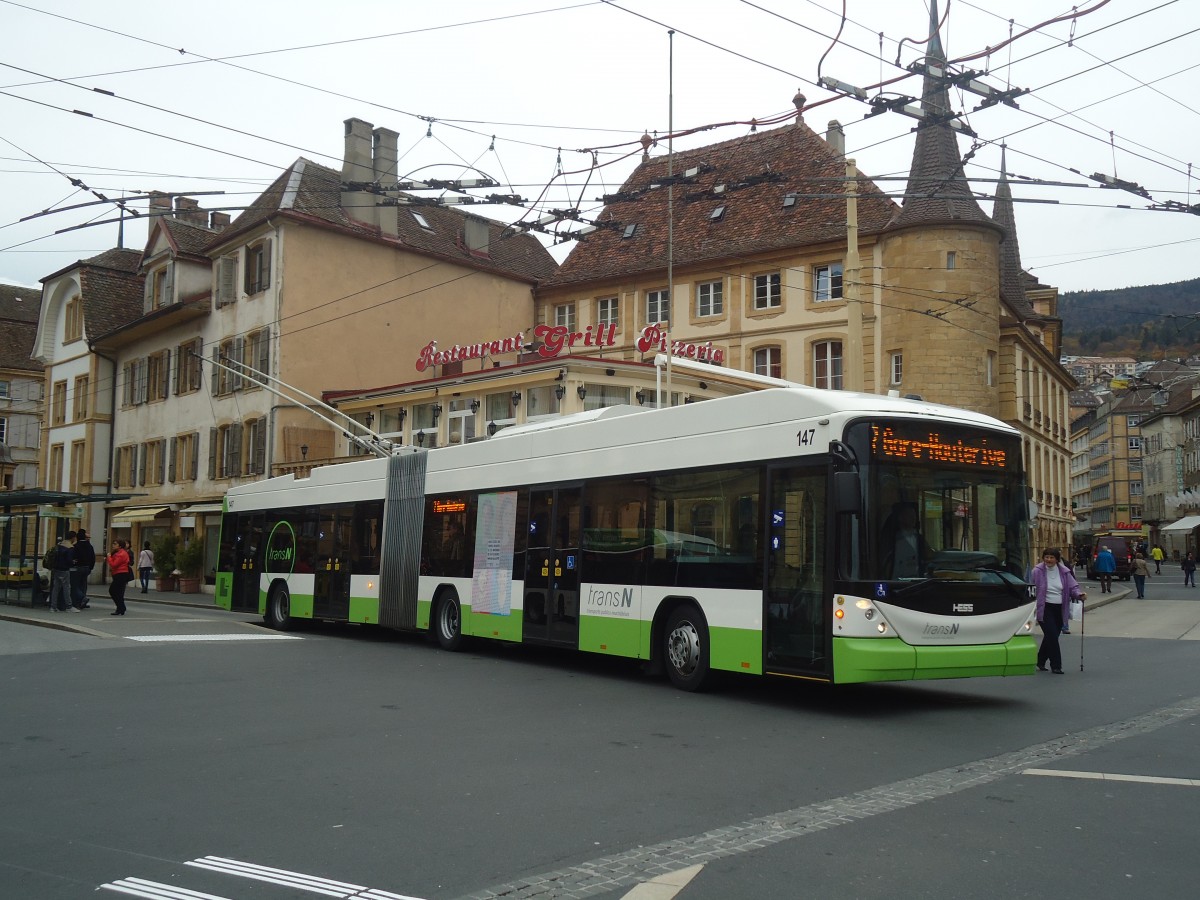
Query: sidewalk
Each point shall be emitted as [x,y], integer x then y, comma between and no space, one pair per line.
[99,601]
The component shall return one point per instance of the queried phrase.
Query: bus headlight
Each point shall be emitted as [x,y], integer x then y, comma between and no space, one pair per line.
[882,626]
[869,615]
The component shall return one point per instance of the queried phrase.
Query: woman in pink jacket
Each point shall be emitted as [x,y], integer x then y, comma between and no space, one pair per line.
[1056,587]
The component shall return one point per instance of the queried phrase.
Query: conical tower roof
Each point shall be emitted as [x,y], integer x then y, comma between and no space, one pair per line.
[937,192]
[1012,291]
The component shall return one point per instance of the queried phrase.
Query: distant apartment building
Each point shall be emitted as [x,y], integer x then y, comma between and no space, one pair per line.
[21,389]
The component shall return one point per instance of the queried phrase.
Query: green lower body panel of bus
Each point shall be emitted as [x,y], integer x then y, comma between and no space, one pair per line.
[858,660]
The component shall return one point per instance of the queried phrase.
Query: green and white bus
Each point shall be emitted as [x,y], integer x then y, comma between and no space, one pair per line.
[797,532]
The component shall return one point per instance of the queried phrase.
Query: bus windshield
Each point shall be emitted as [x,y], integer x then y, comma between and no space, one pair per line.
[942,503]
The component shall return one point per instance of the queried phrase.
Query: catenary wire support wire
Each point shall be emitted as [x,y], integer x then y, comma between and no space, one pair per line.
[369,440]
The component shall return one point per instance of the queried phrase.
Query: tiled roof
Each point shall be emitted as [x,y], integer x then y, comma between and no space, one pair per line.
[308,191]
[111,290]
[20,304]
[757,172]
[937,191]
[16,344]
[189,238]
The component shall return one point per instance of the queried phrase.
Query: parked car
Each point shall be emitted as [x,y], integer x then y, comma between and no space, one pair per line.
[1122,551]
[14,573]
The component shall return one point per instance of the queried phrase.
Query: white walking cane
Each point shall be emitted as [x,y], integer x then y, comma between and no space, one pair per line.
[1082,634]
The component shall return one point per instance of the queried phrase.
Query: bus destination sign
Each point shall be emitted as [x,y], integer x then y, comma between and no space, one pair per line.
[896,442]
[449,506]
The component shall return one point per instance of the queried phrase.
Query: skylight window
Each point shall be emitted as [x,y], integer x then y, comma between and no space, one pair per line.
[789,200]
[421,221]
[629,230]
[716,213]
[692,172]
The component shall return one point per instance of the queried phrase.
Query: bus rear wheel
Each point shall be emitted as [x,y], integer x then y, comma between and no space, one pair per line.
[447,621]
[279,609]
[685,649]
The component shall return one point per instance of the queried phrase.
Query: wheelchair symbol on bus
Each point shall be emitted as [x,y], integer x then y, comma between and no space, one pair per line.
[880,590]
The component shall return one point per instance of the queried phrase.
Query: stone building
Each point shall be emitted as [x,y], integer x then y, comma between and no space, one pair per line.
[21,389]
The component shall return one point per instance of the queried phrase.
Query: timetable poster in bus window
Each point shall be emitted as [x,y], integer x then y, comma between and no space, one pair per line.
[492,584]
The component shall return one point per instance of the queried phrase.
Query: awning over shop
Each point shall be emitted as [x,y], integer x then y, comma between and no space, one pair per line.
[200,509]
[125,517]
[1187,523]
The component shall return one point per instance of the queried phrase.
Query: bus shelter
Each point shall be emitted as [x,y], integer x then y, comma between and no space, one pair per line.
[24,539]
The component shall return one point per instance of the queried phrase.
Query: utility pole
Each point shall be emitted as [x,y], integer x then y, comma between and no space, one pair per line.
[853,359]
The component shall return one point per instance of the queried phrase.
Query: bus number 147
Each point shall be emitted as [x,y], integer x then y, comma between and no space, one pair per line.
[806,436]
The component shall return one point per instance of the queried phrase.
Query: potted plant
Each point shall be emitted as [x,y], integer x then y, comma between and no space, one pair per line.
[165,550]
[190,562]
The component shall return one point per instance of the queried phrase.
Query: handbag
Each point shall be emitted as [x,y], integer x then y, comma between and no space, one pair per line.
[1076,609]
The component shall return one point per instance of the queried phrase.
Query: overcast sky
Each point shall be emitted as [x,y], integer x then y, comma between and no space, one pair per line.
[220,96]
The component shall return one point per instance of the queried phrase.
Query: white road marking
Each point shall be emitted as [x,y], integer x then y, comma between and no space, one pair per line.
[664,887]
[139,887]
[299,880]
[183,638]
[1107,776]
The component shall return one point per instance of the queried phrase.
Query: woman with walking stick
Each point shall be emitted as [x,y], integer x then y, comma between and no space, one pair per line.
[1055,587]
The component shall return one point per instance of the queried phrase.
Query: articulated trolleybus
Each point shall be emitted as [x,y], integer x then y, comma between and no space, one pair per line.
[797,532]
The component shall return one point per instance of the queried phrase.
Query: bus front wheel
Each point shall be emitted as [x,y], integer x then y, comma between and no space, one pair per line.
[447,622]
[685,649]
[279,609]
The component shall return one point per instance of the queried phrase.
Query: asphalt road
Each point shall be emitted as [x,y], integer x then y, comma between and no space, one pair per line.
[177,750]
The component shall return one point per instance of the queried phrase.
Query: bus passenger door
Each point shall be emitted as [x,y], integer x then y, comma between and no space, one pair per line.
[247,562]
[796,616]
[552,567]
[331,586]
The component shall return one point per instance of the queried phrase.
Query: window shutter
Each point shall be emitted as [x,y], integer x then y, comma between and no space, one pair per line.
[260,447]
[171,454]
[264,280]
[212,453]
[148,293]
[164,376]
[141,466]
[264,351]
[177,375]
[168,286]
[143,379]
[194,442]
[227,281]
[216,372]
[162,461]
[239,354]
[235,449]
[126,381]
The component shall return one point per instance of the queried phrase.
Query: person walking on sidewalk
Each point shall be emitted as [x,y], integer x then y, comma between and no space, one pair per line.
[1141,571]
[1189,570]
[145,565]
[1157,555]
[60,575]
[1055,588]
[85,561]
[119,566]
[1106,565]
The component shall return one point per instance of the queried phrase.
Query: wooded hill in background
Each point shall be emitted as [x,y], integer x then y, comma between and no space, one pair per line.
[1157,321]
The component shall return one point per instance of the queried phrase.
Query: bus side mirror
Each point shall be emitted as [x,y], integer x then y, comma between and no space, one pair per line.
[847,493]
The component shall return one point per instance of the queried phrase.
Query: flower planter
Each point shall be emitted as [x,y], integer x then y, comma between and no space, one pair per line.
[189,585]
[164,584]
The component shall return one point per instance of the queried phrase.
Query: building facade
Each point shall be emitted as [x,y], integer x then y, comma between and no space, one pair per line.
[22,389]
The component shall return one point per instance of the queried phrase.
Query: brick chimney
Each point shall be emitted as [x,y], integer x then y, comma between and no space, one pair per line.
[835,137]
[160,204]
[218,220]
[187,209]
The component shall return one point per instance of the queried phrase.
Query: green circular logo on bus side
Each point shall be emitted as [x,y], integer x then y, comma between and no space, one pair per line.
[281,559]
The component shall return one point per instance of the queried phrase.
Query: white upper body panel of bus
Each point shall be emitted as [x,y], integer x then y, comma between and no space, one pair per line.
[746,428]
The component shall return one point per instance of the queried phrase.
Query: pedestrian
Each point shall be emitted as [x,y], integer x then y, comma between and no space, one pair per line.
[1189,570]
[60,575]
[119,566]
[1055,587]
[1157,555]
[145,565]
[1141,571]
[81,571]
[1106,565]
